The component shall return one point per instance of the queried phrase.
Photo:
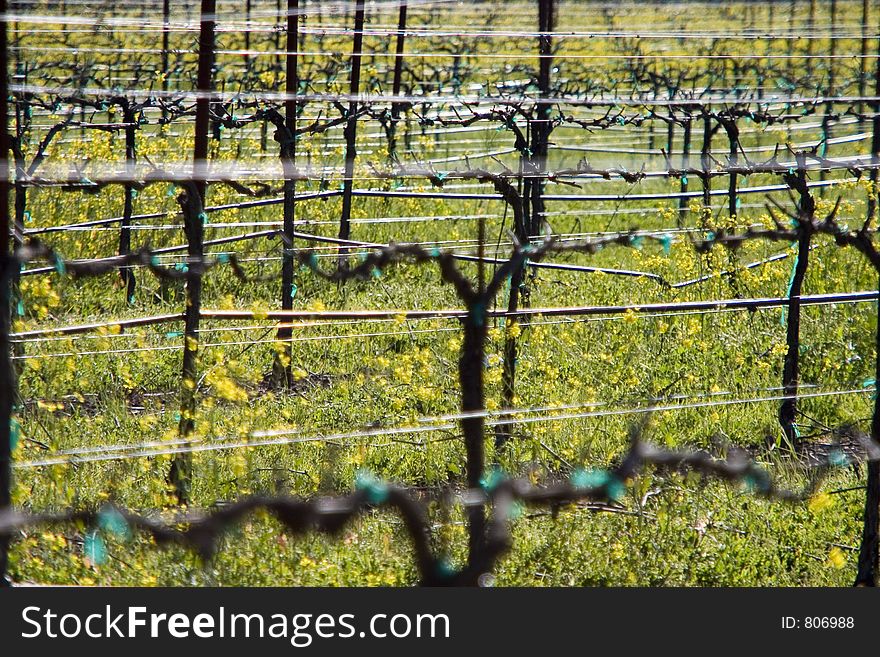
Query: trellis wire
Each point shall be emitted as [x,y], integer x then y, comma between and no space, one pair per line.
[488,536]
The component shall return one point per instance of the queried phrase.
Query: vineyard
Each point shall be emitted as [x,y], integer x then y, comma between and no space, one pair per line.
[495,293]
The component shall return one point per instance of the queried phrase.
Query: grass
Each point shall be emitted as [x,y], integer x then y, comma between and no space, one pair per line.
[673,529]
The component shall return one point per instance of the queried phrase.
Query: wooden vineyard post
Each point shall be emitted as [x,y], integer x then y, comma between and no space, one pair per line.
[19,206]
[730,127]
[685,163]
[790,371]
[874,192]
[869,550]
[287,139]
[397,106]
[7,265]
[829,106]
[504,432]
[166,34]
[863,62]
[470,372]
[277,36]
[771,25]
[706,164]
[542,128]
[247,40]
[792,12]
[832,77]
[811,26]
[351,128]
[192,201]
[127,273]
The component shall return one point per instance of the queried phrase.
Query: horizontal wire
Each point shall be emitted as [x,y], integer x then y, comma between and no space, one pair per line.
[275,437]
[219,225]
[757,303]
[122,447]
[218,171]
[343,337]
[455,99]
[384,320]
[221,25]
[310,195]
[416,54]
